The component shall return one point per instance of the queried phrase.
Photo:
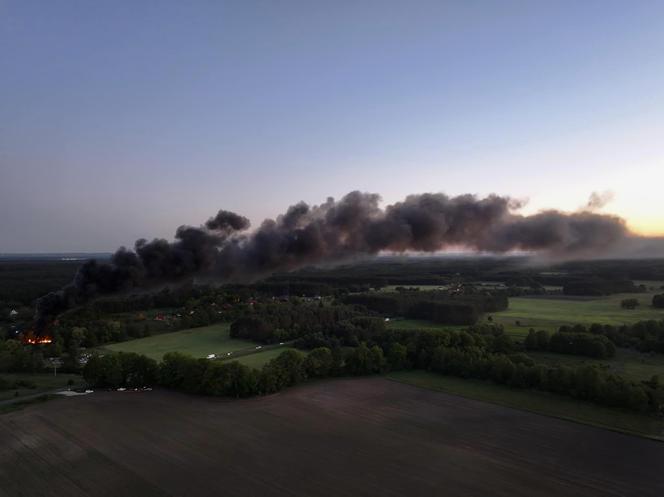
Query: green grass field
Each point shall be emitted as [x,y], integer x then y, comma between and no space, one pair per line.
[198,342]
[43,382]
[539,402]
[550,313]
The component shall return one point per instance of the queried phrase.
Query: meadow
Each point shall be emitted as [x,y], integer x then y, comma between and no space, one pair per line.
[197,342]
[200,342]
[550,312]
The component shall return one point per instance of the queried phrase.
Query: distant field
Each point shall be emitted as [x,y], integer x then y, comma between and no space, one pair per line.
[198,342]
[550,313]
[536,401]
[43,383]
[359,437]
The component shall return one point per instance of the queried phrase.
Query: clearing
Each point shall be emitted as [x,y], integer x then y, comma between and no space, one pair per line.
[200,342]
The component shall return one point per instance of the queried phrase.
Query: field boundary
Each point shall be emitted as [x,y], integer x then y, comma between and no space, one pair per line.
[616,429]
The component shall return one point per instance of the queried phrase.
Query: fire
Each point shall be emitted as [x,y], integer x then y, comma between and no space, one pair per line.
[38,340]
[32,339]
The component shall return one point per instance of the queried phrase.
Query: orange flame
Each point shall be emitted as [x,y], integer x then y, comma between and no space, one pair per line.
[31,339]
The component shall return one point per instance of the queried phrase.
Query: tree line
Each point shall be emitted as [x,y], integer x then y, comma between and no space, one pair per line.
[584,344]
[644,336]
[599,286]
[484,356]
[437,306]
[277,323]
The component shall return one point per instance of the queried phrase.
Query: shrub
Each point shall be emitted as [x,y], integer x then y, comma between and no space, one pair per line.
[658,301]
[629,303]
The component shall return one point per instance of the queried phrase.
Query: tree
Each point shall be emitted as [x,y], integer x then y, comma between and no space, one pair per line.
[520,377]
[397,356]
[629,303]
[251,328]
[76,338]
[103,371]
[502,369]
[138,370]
[358,361]
[658,301]
[171,369]
[543,339]
[16,357]
[377,359]
[588,384]
[318,362]
[230,379]
[530,343]
[289,366]
[502,344]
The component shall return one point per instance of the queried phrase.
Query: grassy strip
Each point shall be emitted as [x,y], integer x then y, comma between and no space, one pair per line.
[41,381]
[259,359]
[538,402]
[20,404]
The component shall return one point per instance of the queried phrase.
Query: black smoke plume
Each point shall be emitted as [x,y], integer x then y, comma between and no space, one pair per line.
[334,231]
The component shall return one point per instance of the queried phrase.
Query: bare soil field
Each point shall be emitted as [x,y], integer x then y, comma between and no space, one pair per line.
[363,437]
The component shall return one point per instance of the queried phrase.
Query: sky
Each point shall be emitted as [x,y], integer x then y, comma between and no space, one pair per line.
[125,119]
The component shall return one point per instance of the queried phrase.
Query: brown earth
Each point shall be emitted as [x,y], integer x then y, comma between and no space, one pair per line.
[364,437]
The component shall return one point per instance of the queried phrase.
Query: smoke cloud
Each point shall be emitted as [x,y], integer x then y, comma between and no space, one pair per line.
[597,201]
[336,230]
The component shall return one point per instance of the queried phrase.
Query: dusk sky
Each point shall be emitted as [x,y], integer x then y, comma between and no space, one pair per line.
[121,120]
